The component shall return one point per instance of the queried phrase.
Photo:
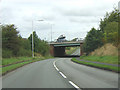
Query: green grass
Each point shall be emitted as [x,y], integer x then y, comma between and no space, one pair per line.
[15,66]
[6,61]
[0,70]
[97,65]
[12,67]
[26,60]
[103,59]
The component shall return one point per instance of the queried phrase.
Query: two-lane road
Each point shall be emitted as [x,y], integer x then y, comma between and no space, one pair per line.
[43,74]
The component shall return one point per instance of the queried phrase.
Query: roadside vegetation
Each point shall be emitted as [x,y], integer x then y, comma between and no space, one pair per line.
[107,33]
[70,50]
[10,64]
[102,59]
[17,51]
[101,66]
[103,44]
[108,53]
[16,46]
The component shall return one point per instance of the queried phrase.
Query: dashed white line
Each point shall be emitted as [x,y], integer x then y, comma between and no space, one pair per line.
[55,66]
[63,75]
[73,84]
[57,69]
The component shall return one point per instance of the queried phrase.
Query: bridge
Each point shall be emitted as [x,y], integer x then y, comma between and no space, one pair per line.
[57,49]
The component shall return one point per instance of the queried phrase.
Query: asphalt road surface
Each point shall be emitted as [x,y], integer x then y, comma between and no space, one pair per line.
[59,73]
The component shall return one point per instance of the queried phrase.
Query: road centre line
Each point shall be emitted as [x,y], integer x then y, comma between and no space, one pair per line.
[74,85]
[55,66]
[57,69]
[63,75]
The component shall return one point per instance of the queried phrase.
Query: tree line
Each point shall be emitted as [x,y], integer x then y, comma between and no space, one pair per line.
[13,45]
[107,32]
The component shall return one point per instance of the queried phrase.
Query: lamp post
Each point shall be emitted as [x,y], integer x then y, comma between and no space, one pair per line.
[33,38]
[51,31]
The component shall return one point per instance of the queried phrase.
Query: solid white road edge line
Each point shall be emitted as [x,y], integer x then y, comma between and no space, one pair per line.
[63,75]
[73,84]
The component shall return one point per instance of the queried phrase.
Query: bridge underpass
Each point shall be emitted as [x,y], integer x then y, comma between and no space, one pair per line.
[58,49]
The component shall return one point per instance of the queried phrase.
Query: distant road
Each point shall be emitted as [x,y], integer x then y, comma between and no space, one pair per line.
[44,74]
[77,52]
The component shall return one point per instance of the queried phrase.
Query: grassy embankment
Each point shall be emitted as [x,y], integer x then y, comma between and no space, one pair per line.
[10,64]
[70,50]
[106,54]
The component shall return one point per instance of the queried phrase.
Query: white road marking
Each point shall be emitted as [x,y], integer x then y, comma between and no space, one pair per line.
[73,84]
[63,75]
[55,66]
[57,69]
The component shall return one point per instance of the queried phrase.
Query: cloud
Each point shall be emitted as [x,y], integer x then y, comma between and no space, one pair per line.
[84,19]
[68,16]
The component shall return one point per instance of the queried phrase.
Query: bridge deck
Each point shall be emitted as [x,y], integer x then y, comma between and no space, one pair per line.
[66,44]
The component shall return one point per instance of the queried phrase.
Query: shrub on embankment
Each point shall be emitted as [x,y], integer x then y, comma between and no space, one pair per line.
[107,33]
[106,50]
[108,53]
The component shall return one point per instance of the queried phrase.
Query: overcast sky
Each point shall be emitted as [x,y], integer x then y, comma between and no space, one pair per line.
[73,18]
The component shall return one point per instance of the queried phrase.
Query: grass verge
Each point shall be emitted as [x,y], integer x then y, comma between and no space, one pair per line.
[101,66]
[103,59]
[14,65]
[8,61]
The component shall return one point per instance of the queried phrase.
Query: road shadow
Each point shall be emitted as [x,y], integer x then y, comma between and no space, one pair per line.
[68,56]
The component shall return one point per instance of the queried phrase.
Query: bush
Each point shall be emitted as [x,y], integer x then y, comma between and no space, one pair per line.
[67,48]
[24,52]
[7,53]
[93,40]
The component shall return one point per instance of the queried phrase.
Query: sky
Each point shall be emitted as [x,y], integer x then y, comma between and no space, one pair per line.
[72,18]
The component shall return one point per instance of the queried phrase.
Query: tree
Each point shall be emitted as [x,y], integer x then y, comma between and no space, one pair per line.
[10,39]
[40,46]
[35,40]
[111,32]
[75,39]
[109,17]
[25,47]
[93,40]
[109,26]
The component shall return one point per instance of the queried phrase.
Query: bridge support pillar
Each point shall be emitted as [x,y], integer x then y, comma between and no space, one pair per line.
[52,50]
[81,50]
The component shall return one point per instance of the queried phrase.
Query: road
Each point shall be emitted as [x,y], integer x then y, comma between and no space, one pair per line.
[45,74]
[77,52]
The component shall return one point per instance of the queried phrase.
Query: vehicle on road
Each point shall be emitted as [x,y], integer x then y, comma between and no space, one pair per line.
[61,38]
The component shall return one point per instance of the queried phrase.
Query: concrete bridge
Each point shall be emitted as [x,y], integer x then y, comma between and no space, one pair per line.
[57,49]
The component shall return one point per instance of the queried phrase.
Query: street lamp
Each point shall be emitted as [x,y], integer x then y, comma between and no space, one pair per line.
[51,31]
[33,39]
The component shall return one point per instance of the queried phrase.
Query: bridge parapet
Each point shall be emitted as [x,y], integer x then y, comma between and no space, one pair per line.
[66,42]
